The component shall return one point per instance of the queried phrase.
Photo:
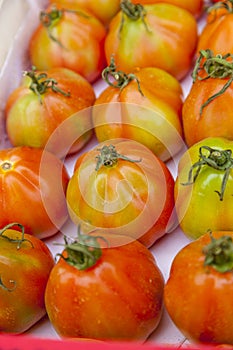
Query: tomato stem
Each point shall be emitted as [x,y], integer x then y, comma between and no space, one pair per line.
[3,286]
[83,252]
[19,241]
[219,253]
[227,5]
[121,79]
[214,67]
[133,11]
[109,156]
[40,83]
[217,159]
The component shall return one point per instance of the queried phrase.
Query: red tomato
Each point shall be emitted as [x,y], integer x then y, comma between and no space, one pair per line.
[207,108]
[218,30]
[136,107]
[155,35]
[196,7]
[25,265]
[41,104]
[113,293]
[122,186]
[65,38]
[33,184]
[104,10]
[199,292]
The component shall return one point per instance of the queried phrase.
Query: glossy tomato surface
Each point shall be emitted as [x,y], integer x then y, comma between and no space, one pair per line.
[159,35]
[204,187]
[217,32]
[104,10]
[25,265]
[119,298]
[69,39]
[141,111]
[197,296]
[207,108]
[32,190]
[122,186]
[51,109]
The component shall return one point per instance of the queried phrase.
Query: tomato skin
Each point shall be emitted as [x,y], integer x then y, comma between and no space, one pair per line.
[217,32]
[203,307]
[198,206]
[136,198]
[104,10]
[195,7]
[148,116]
[82,44]
[216,118]
[119,298]
[31,121]
[32,190]
[169,42]
[29,267]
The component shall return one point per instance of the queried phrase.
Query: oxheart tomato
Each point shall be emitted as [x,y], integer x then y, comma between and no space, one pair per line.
[33,183]
[207,108]
[70,39]
[42,103]
[199,292]
[104,10]
[154,35]
[218,29]
[144,105]
[25,265]
[204,187]
[196,7]
[122,186]
[103,291]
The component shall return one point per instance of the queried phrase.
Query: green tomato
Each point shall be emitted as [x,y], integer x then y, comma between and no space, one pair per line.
[204,187]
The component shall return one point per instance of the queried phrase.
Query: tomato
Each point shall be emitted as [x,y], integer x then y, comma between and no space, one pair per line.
[70,39]
[196,7]
[103,292]
[218,30]
[136,107]
[204,187]
[25,264]
[154,35]
[104,10]
[42,102]
[207,108]
[32,190]
[201,284]
[123,186]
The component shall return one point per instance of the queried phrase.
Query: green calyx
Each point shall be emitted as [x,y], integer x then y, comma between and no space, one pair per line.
[132,11]
[49,19]
[41,83]
[83,252]
[109,156]
[214,158]
[214,67]
[219,254]
[117,78]
[227,5]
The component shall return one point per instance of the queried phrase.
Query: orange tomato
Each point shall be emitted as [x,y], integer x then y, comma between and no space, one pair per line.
[69,39]
[218,30]
[155,35]
[198,294]
[138,109]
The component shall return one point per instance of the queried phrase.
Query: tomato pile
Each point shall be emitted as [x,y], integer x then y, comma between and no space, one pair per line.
[120,198]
